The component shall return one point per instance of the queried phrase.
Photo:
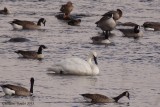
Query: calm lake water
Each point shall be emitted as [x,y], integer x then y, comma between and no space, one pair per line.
[132,65]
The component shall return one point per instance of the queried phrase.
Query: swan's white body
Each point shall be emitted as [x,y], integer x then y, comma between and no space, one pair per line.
[76,66]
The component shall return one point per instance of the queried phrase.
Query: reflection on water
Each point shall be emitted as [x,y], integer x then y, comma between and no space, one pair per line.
[127,64]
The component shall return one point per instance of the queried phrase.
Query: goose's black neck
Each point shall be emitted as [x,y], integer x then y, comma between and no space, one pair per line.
[119,97]
[136,29]
[32,83]
[40,50]
[39,23]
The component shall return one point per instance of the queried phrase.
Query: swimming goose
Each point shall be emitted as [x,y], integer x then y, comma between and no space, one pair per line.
[135,33]
[77,66]
[9,89]
[66,9]
[98,98]
[100,40]
[23,24]
[5,11]
[106,23]
[155,26]
[32,54]
[74,22]
[116,14]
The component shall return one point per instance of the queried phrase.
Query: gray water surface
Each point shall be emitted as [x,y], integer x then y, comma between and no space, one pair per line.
[132,65]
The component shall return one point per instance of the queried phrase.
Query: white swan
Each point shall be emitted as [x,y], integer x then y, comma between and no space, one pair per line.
[77,66]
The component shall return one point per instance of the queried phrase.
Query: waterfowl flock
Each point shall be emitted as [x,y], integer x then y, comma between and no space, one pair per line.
[75,65]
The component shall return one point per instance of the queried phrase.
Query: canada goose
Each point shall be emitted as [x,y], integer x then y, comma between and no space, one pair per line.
[23,24]
[67,8]
[5,11]
[98,98]
[155,26]
[77,66]
[100,40]
[32,54]
[106,23]
[135,33]
[116,14]
[9,89]
[74,22]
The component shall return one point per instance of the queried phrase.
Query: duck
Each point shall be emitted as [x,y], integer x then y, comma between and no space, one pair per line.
[66,9]
[116,14]
[100,40]
[32,54]
[154,26]
[77,66]
[74,22]
[62,16]
[135,33]
[5,11]
[10,89]
[106,23]
[99,98]
[23,24]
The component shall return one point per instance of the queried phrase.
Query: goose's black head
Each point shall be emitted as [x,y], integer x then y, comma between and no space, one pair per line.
[5,9]
[32,80]
[43,46]
[41,20]
[126,93]
[137,29]
[40,49]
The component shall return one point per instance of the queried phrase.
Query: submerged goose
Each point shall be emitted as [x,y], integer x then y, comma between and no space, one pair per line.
[5,11]
[19,39]
[135,33]
[74,22]
[155,26]
[106,23]
[77,66]
[130,24]
[98,98]
[32,54]
[67,8]
[116,14]
[100,40]
[9,89]
[23,24]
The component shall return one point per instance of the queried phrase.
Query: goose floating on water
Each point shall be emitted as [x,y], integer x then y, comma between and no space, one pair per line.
[77,66]
[98,98]
[32,54]
[154,26]
[23,24]
[5,11]
[9,89]
[135,32]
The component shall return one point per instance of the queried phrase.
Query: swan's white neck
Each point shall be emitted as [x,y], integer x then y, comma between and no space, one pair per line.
[90,60]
